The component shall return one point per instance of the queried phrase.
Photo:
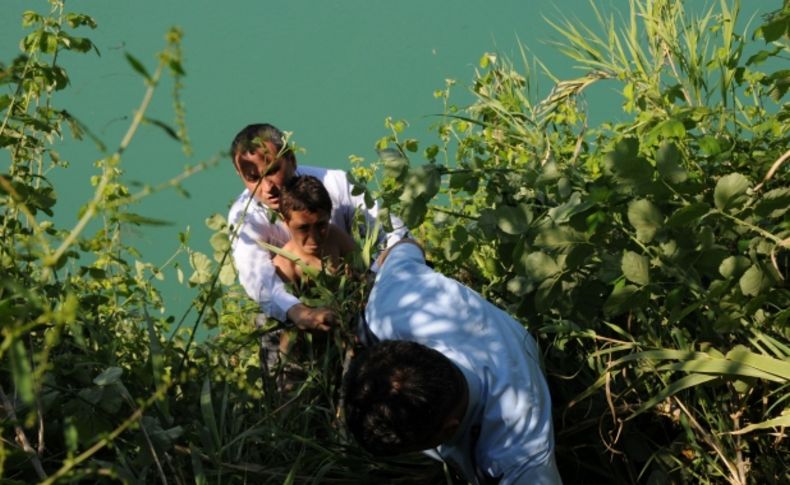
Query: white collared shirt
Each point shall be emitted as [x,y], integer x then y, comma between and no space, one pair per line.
[410,301]
[254,263]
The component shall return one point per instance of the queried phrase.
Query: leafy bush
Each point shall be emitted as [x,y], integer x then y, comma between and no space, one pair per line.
[650,254]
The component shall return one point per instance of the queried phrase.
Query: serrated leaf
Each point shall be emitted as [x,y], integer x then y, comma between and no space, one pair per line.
[730,191]
[774,203]
[687,215]
[636,268]
[216,222]
[111,375]
[646,218]
[538,265]
[668,160]
[202,266]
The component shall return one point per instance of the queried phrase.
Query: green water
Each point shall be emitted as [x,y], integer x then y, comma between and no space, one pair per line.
[330,71]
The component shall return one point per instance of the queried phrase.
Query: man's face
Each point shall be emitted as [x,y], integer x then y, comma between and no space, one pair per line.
[262,165]
[308,230]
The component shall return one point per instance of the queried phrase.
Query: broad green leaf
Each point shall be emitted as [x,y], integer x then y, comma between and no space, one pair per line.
[216,222]
[774,203]
[668,160]
[734,266]
[754,281]
[202,268]
[395,164]
[512,220]
[227,275]
[688,215]
[538,265]
[636,268]
[627,166]
[559,237]
[574,205]
[646,219]
[21,370]
[219,242]
[111,375]
[730,191]
[620,300]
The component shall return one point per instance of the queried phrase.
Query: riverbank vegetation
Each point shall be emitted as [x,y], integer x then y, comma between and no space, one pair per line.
[648,254]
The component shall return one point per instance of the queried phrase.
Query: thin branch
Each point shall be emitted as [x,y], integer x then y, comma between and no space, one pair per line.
[22,437]
[773,169]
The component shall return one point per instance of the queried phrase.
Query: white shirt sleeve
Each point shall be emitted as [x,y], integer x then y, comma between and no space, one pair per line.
[346,204]
[254,263]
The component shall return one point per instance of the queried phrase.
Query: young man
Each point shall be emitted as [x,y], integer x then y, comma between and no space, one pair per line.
[452,373]
[264,163]
[305,206]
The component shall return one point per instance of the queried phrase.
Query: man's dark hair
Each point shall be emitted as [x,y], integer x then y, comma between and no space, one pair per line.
[304,193]
[397,395]
[252,136]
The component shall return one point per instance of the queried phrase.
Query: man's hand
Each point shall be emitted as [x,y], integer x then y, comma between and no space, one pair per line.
[307,318]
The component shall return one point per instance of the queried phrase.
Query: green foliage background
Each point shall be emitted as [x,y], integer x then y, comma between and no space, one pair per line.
[649,255]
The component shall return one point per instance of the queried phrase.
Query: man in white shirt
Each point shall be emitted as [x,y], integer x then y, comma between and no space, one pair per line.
[451,372]
[264,163]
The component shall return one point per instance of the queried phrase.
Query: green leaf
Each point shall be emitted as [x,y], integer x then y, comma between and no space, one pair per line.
[138,66]
[710,145]
[646,218]
[207,410]
[754,281]
[512,220]
[668,160]
[111,375]
[538,265]
[688,215]
[734,266]
[626,164]
[169,130]
[21,371]
[219,242]
[782,421]
[139,220]
[636,268]
[395,164]
[774,203]
[730,191]
[216,222]
[574,205]
[673,388]
[227,275]
[202,266]
[620,300]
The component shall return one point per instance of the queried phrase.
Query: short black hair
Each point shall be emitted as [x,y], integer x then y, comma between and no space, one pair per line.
[304,193]
[245,140]
[397,395]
